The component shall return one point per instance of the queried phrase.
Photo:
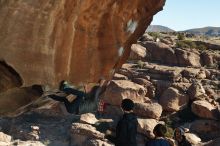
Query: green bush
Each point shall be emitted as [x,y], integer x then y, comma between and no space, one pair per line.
[155,35]
[181,44]
[202,47]
[190,43]
[169,123]
[170,132]
[181,36]
[186,44]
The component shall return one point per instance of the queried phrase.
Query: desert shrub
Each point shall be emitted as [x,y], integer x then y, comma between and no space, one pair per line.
[140,64]
[186,44]
[202,47]
[169,124]
[155,35]
[203,37]
[181,36]
[180,44]
[170,132]
[190,43]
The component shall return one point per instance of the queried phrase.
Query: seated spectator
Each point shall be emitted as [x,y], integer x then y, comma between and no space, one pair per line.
[159,132]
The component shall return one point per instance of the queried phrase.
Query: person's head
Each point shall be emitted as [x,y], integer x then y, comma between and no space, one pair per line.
[127,105]
[178,133]
[160,130]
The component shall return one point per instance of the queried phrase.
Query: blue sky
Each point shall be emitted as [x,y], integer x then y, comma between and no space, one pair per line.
[187,14]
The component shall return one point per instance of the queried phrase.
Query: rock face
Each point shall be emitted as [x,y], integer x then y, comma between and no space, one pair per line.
[202,127]
[159,50]
[153,110]
[192,138]
[85,129]
[203,109]
[176,78]
[188,58]
[173,100]
[87,135]
[215,142]
[196,91]
[97,142]
[5,137]
[47,41]
[146,126]
[50,127]
[16,98]
[182,95]
[137,52]
[121,89]
[88,118]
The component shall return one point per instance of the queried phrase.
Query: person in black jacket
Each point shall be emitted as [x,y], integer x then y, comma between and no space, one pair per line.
[180,137]
[73,99]
[126,129]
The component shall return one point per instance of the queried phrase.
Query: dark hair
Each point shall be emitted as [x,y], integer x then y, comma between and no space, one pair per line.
[127,104]
[160,130]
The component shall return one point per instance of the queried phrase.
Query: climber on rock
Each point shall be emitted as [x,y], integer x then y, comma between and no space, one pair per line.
[76,101]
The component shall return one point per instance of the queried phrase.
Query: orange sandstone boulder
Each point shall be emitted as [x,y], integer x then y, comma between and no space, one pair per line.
[46,41]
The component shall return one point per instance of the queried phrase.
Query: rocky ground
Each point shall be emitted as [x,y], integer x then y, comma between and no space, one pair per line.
[172,80]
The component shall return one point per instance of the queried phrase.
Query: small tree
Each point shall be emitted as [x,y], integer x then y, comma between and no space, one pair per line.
[202,47]
[155,35]
[186,44]
[181,36]
[181,44]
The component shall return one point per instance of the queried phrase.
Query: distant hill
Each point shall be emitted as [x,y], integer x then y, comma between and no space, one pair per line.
[159,28]
[209,31]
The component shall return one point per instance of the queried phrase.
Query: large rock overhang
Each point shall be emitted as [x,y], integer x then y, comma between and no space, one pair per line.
[46,41]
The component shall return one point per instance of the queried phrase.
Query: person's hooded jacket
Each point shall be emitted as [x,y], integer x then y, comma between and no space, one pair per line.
[126,130]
